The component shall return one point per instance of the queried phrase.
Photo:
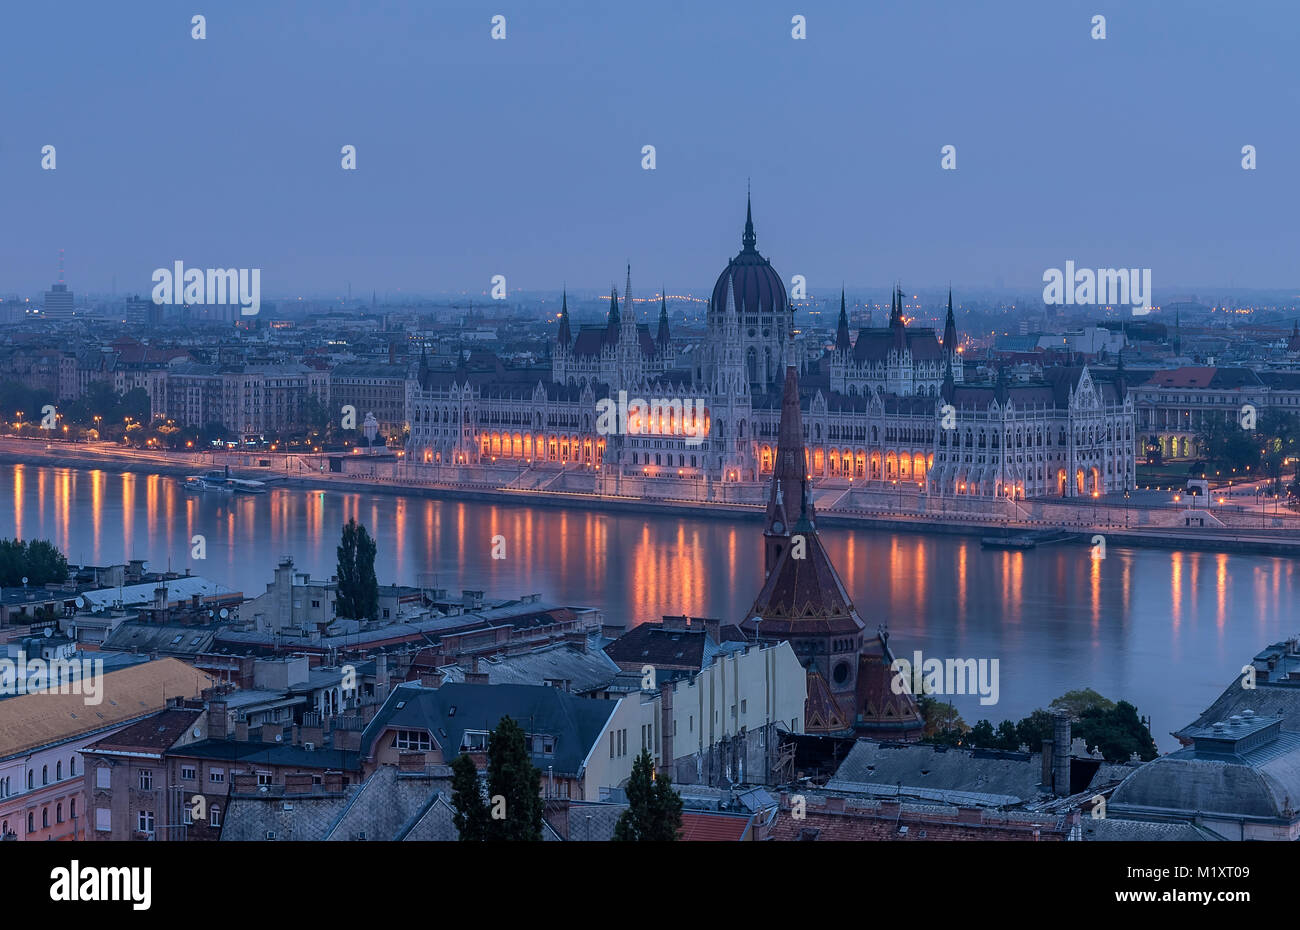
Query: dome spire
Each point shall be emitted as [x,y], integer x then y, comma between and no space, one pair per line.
[749,240]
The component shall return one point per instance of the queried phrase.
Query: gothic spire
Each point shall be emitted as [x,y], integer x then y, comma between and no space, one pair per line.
[662,337]
[613,324]
[842,331]
[749,239]
[565,335]
[950,329]
[788,495]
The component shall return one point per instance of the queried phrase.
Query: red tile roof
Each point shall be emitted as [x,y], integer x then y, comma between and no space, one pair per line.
[713,828]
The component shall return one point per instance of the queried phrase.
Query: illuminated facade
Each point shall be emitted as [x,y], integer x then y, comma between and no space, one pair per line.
[873,407]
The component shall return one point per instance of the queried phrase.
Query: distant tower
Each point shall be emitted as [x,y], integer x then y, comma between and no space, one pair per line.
[59,300]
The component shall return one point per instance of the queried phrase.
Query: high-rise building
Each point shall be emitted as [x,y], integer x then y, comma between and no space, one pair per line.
[58,299]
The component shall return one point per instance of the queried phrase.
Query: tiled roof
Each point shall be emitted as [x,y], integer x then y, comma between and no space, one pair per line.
[33,720]
[152,735]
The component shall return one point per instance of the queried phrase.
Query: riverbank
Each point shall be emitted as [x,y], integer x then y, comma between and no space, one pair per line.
[836,506]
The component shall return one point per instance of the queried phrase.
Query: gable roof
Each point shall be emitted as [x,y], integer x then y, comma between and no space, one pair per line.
[33,720]
[447,712]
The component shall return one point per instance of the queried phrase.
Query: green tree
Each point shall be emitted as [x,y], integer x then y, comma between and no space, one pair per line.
[942,724]
[654,811]
[983,735]
[1007,738]
[358,591]
[39,561]
[471,817]
[1035,728]
[1116,732]
[1075,703]
[514,784]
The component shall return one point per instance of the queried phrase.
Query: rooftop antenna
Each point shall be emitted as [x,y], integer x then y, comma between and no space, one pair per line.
[60,266]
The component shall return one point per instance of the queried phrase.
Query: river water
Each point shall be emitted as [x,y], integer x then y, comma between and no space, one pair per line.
[1165,630]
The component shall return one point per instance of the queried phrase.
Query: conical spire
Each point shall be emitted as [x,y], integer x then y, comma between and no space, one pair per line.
[950,329]
[662,337]
[749,240]
[842,331]
[629,313]
[789,472]
[613,324]
[565,335]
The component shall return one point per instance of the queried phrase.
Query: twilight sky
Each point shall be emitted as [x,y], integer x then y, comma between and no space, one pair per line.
[522,157]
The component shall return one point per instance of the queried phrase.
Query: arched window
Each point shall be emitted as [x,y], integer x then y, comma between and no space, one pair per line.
[58,770]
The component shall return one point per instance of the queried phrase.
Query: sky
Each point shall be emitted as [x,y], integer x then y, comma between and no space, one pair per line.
[523,157]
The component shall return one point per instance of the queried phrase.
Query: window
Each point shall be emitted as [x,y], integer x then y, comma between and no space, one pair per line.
[146,779]
[103,777]
[45,817]
[611,744]
[45,774]
[144,821]
[31,822]
[214,816]
[474,741]
[264,778]
[58,812]
[417,740]
[744,705]
[217,776]
[72,808]
[188,773]
[58,771]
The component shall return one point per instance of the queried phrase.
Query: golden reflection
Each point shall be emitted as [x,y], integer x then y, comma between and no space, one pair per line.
[963,553]
[1221,588]
[128,513]
[1176,588]
[19,473]
[1094,585]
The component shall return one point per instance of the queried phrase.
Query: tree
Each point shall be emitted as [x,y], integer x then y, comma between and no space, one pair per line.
[983,735]
[39,561]
[358,592]
[1035,728]
[654,809]
[942,724]
[514,783]
[1075,703]
[471,817]
[1007,738]
[1116,732]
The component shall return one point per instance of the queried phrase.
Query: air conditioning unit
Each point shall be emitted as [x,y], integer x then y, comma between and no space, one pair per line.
[309,746]
[270,835]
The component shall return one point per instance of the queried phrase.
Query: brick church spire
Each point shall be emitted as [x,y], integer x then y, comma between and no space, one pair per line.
[789,473]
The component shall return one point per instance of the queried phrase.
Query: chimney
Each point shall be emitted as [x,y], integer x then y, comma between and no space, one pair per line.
[1061,757]
[298,783]
[474,676]
[1047,764]
[713,626]
[241,730]
[218,720]
[194,601]
[381,677]
[666,755]
[676,623]
[410,762]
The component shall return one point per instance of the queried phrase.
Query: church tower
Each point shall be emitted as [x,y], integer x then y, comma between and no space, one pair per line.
[803,601]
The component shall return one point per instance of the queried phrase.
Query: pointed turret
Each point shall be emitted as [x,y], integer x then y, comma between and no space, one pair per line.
[662,338]
[842,343]
[749,240]
[565,336]
[950,329]
[612,326]
[949,385]
[896,323]
[787,498]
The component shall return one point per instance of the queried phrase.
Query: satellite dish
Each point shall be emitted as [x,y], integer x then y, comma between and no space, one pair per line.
[49,631]
[80,601]
[24,579]
[197,733]
[212,613]
[223,613]
[279,737]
